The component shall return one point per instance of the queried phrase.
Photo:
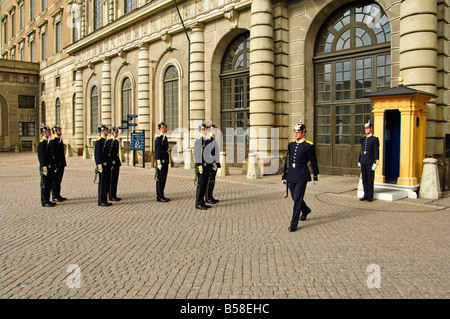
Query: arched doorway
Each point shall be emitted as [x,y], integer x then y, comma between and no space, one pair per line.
[351,59]
[235,107]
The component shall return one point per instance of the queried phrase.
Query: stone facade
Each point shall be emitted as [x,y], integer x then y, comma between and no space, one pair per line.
[143,43]
[19,118]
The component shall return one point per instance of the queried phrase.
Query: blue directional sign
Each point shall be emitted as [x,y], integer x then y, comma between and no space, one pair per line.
[132,124]
[123,127]
[138,141]
[130,117]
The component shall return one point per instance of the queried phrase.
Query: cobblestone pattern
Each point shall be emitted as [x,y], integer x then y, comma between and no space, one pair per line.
[240,248]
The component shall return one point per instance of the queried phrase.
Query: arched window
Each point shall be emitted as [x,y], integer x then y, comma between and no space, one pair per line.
[97,14]
[94,110]
[58,111]
[171,107]
[352,58]
[235,93]
[126,98]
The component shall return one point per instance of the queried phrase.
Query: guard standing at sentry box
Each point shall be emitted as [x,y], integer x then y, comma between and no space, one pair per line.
[46,166]
[115,163]
[162,162]
[368,160]
[102,160]
[57,145]
[296,172]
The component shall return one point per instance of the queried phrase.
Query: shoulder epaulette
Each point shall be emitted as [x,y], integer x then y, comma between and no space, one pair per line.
[42,140]
[99,139]
[309,142]
[53,137]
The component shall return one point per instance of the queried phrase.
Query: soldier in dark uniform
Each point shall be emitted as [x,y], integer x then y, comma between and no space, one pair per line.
[102,160]
[202,167]
[57,146]
[368,160]
[213,152]
[162,162]
[296,172]
[115,163]
[46,166]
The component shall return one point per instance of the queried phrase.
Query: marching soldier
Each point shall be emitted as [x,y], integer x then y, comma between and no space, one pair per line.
[202,168]
[368,160]
[57,146]
[102,160]
[296,172]
[115,163]
[213,151]
[162,162]
[46,166]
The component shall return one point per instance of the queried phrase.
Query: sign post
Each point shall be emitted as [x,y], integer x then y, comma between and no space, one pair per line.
[138,143]
[130,117]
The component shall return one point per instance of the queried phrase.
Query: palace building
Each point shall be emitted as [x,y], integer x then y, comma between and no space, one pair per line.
[255,68]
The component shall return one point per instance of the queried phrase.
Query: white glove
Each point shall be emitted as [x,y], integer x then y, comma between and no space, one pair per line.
[200,169]
[284,182]
[100,168]
[315,182]
[374,166]
[159,166]
[44,170]
[359,164]
[214,166]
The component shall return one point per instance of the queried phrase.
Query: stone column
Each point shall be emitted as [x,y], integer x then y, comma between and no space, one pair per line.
[106,92]
[143,94]
[281,66]
[262,81]
[197,89]
[79,110]
[197,80]
[418,59]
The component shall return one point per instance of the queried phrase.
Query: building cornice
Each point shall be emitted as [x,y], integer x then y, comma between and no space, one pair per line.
[144,25]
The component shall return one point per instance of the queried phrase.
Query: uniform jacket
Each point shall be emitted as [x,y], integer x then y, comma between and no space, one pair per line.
[369,153]
[45,155]
[114,152]
[57,146]
[300,153]
[161,149]
[101,152]
[199,155]
[211,153]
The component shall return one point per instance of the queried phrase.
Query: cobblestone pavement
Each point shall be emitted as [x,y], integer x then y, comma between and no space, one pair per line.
[240,248]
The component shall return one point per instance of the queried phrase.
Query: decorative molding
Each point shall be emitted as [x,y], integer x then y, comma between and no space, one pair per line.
[57,15]
[232,15]
[167,38]
[123,54]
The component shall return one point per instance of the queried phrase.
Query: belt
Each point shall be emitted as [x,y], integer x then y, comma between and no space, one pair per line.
[297,165]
